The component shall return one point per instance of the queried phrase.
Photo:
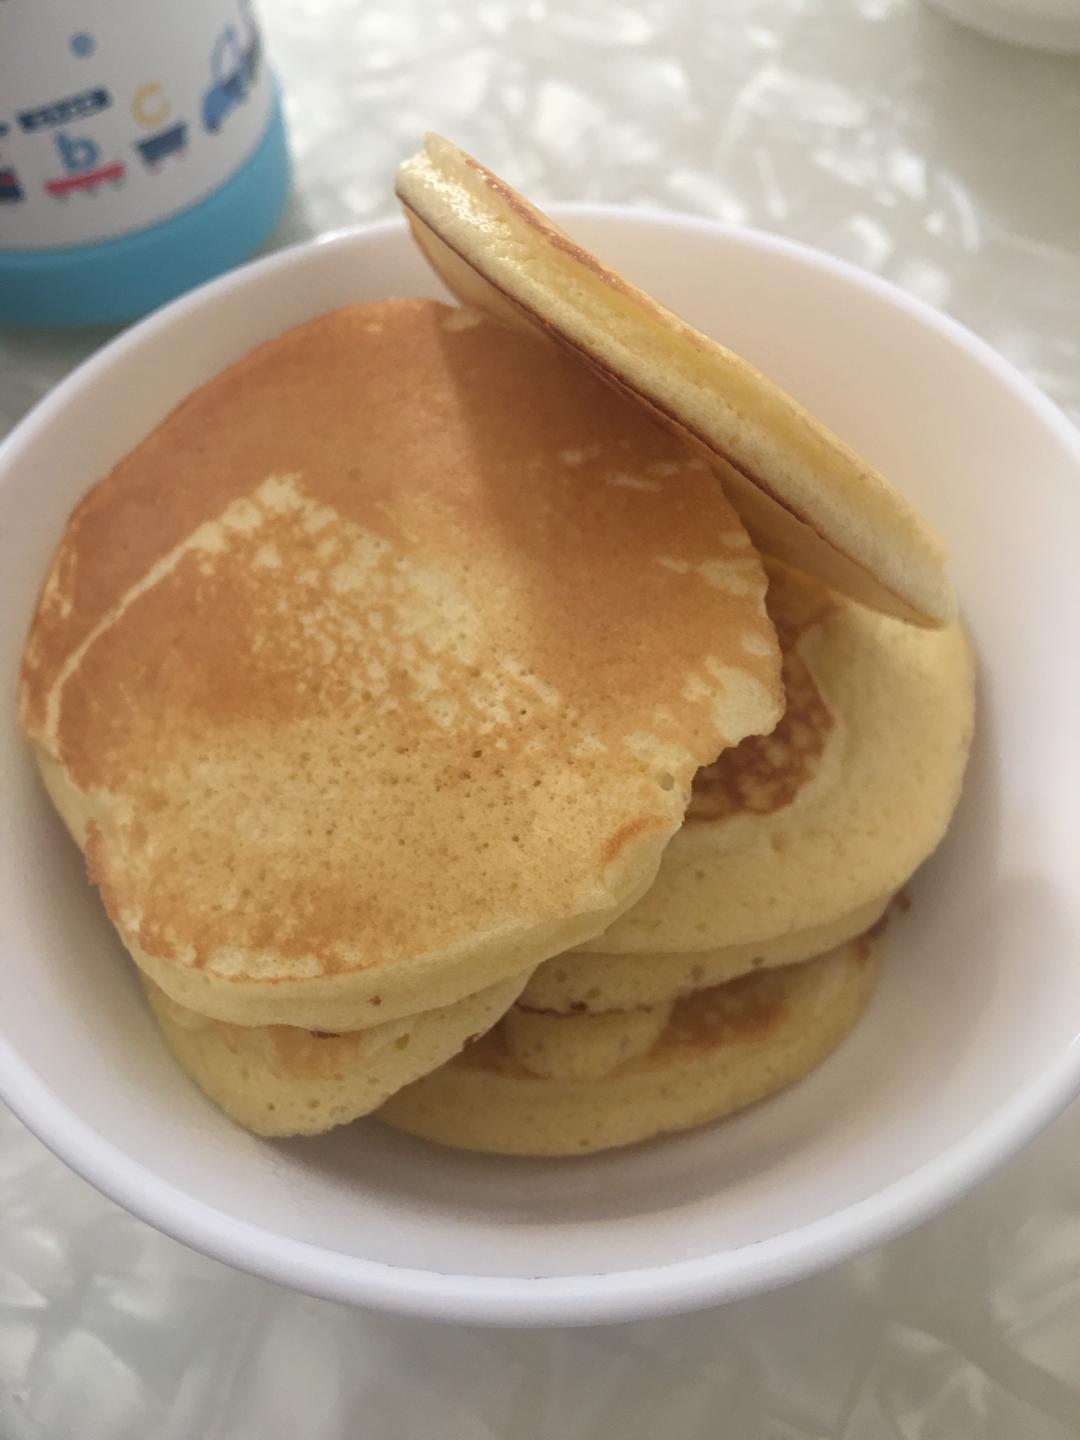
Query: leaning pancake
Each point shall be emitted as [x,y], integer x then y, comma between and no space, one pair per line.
[280,1080]
[721,1050]
[816,825]
[381,670]
[803,494]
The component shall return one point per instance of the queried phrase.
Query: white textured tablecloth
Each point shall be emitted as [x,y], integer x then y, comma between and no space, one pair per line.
[874,129]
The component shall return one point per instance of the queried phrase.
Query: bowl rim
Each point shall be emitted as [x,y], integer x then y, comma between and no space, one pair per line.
[524,1300]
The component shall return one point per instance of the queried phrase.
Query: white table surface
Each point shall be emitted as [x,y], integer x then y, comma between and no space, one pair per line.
[876,130]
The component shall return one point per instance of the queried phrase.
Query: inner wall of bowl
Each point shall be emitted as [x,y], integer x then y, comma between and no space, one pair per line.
[980,987]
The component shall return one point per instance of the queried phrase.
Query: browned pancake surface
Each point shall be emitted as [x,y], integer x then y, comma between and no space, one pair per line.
[401,637]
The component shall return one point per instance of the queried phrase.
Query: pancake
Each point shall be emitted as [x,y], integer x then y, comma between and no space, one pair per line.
[804,495]
[591,984]
[581,1047]
[721,1050]
[381,670]
[280,1080]
[819,823]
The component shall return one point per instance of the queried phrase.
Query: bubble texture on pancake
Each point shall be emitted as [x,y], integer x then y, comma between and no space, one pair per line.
[722,1049]
[381,669]
[804,495]
[832,812]
[280,1080]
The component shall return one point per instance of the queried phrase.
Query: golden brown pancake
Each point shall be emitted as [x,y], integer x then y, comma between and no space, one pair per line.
[380,671]
[581,1047]
[281,1080]
[804,495]
[793,839]
[580,983]
[721,1050]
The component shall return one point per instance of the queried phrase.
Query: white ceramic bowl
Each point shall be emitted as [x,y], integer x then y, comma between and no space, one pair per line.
[971,1042]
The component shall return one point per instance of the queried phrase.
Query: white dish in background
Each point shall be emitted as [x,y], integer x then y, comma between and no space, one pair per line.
[971,1042]
[1038,24]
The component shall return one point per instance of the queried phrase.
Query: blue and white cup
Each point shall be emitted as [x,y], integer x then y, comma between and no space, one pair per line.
[142,150]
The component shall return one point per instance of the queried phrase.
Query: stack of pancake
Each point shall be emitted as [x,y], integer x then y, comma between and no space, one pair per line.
[376,675]
[755,950]
[413,696]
